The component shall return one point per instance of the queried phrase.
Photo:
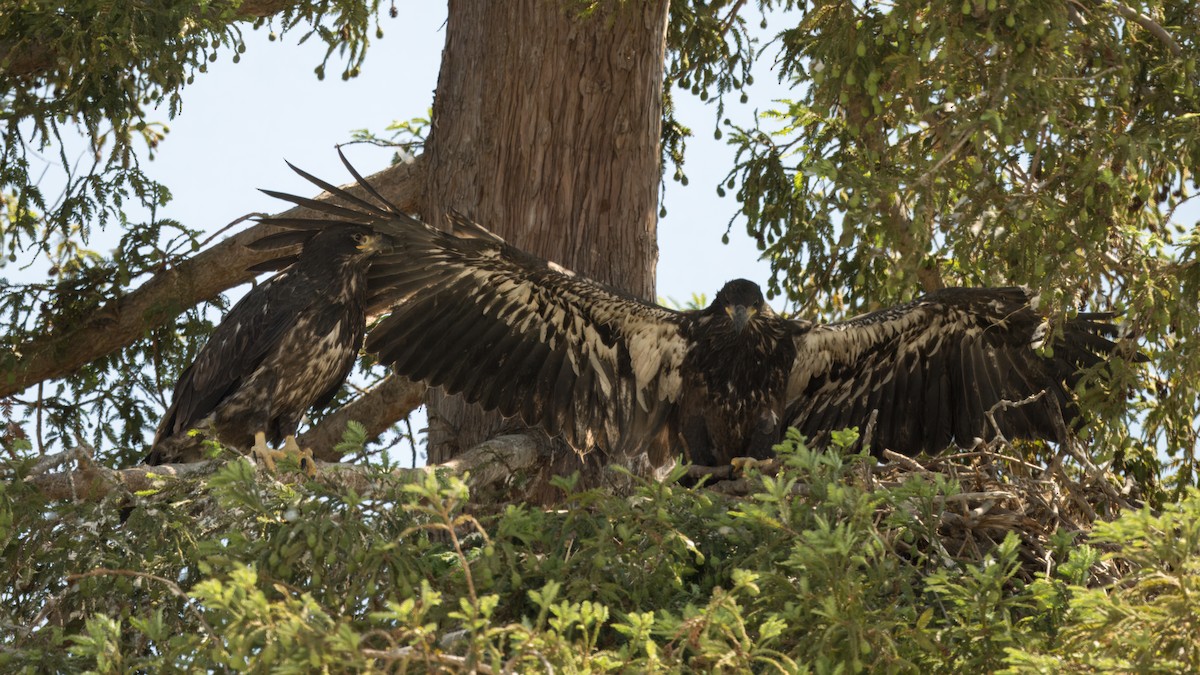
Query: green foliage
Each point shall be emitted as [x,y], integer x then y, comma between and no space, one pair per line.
[697,301]
[1012,129]
[98,67]
[354,439]
[988,142]
[110,402]
[812,573]
[994,142]
[984,142]
[407,135]
[710,54]
[1146,624]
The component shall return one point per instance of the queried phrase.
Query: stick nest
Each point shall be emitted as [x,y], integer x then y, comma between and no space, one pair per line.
[1001,492]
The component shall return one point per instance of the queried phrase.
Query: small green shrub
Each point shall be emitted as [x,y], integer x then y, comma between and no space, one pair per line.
[814,572]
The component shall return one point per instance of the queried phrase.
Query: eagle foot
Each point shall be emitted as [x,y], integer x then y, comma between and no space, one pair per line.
[304,456]
[264,455]
[743,465]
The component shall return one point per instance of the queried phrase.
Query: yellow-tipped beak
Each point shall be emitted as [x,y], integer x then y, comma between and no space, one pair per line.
[740,314]
[371,244]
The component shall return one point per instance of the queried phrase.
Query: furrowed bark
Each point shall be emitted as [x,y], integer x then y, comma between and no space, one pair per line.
[552,143]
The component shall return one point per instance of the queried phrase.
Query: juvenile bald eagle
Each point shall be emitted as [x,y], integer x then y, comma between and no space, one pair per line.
[284,348]
[517,334]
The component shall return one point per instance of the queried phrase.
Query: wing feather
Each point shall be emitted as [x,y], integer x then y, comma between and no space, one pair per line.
[968,417]
[935,367]
[481,361]
[501,327]
[910,396]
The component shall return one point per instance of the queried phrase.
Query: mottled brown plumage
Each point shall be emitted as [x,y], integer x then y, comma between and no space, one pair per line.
[927,374]
[284,348]
[521,335]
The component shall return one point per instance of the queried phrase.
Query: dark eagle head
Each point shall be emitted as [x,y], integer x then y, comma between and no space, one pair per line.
[741,301]
[345,245]
[367,244]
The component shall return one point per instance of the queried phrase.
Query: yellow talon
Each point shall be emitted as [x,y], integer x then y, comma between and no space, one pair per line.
[266,456]
[262,453]
[304,456]
[742,465]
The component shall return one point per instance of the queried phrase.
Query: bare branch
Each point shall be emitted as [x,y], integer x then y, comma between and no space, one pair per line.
[950,154]
[868,436]
[487,463]
[386,403]
[48,462]
[727,22]
[1149,24]
[495,460]
[697,472]
[1005,404]
[171,291]
[903,461]
[93,483]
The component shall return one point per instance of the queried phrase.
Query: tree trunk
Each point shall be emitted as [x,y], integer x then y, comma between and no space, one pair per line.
[546,129]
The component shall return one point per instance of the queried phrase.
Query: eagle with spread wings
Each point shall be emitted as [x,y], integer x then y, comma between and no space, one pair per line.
[479,317]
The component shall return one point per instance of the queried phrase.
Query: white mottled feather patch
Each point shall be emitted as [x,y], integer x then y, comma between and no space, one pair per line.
[656,351]
[559,268]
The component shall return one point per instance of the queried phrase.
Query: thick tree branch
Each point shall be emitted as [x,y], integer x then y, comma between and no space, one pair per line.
[391,399]
[1131,14]
[22,58]
[91,482]
[488,463]
[170,292]
[498,459]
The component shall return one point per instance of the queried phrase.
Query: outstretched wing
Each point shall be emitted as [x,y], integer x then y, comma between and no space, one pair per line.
[511,331]
[931,372]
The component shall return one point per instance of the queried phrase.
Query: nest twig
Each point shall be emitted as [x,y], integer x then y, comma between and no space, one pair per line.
[1000,493]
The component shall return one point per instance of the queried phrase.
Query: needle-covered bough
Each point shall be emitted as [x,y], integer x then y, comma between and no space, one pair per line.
[515,333]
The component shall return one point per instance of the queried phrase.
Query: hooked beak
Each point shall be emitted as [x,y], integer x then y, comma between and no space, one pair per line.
[740,314]
[372,244]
